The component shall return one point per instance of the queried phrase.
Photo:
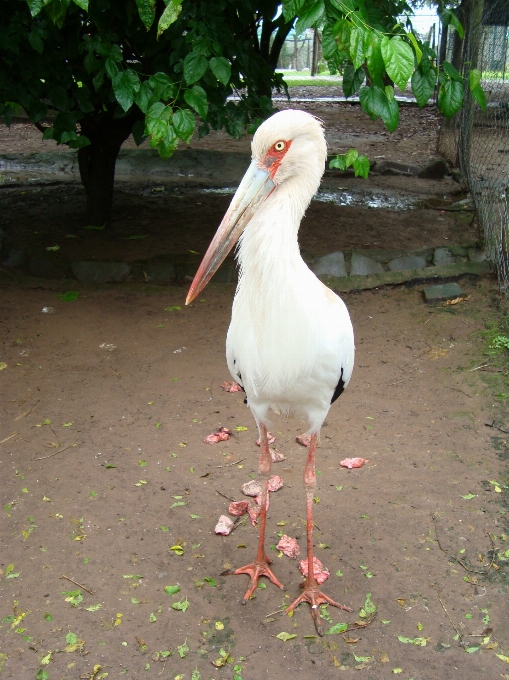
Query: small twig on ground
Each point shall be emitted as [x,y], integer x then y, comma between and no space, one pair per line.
[396,383]
[24,415]
[59,451]
[115,372]
[77,584]
[25,399]
[58,440]
[316,525]
[227,497]
[435,587]
[230,464]
[9,437]
[477,368]
[484,572]
[279,611]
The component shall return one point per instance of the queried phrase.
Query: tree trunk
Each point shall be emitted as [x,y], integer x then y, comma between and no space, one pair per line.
[97,162]
[442,53]
[316,52]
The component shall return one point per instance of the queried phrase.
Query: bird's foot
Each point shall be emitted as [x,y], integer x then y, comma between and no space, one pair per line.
[255,570]
[315,598]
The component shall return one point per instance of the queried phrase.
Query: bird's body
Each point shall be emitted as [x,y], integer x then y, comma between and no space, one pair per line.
[290,342]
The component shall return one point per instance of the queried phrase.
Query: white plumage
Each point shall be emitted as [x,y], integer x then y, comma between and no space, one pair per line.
[290,342]
[290,337]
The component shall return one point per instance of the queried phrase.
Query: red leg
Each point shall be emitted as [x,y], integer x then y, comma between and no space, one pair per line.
[260,566]
[311,592]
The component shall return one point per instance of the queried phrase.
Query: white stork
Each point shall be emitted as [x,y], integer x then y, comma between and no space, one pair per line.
[290,343]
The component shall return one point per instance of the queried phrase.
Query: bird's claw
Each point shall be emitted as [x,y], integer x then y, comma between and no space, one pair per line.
[315,598]
[255,570]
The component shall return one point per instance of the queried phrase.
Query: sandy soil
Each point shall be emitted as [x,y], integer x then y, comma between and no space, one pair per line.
[107,472]
[106,479]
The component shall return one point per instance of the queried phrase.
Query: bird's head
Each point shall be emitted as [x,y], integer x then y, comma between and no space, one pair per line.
[289,147]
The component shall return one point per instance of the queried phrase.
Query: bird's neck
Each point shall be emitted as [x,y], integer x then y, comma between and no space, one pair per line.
[269,246]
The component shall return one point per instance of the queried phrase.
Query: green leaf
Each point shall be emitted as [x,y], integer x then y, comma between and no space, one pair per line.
[339,162]
[171,590]
[35,6]
[164,88]
[291,8]
[146,10]
[351,156]
[450,98]
[286,636]
[479,96]
[169,16]
[357,37]
[352,80]
[423,85]
[369,606]
[374,59]
[181,606]
[452,72]
[336,629]
[449,18]
[310,14]
[42,675]
[196,97]
[419,641]
[48,617]
[415,45]
[71,295]
[184,123]
[399,60]
[71,638]
[195,66]
[469,496]
[125,85]
[474,78]
[82,4]
[221,68]
[361,166]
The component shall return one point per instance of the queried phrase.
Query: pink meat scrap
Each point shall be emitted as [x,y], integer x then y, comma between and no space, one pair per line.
[238,508]
[288,546]
[222,435]
[270,438]
[321,573]
[254,513]
[224,526]
[275,483]
[231,386]
[303,439]
[252,488]
[353,462]
[276,455]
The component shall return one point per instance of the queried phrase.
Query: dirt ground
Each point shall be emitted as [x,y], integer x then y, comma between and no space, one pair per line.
[106,481]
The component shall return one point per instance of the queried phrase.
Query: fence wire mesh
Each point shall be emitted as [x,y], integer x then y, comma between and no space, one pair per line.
[479,143]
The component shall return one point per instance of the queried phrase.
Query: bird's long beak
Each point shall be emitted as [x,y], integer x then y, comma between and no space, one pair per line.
[256,185]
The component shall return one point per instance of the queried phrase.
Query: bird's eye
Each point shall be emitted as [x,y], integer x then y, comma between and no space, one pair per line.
[279,146]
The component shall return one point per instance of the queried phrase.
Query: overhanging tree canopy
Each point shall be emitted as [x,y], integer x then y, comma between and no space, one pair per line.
[106,68]
[102,69]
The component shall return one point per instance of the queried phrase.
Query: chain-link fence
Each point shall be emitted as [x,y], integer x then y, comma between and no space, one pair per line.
[478,142]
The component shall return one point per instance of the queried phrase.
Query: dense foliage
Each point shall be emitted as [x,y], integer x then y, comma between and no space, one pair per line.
[90,72]
[376,51]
